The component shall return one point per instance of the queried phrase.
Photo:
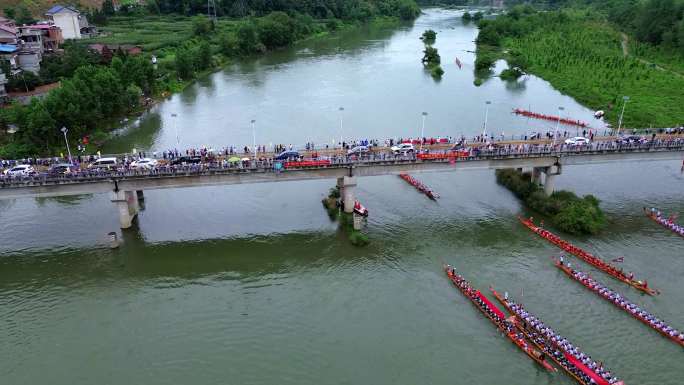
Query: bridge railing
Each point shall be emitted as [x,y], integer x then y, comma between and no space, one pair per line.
[337,162]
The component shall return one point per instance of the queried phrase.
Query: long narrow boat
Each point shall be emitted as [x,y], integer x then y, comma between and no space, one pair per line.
[536,115]
[623,303]
[497,317]
[577,364]
[588,258]
[419,186]
[658,218]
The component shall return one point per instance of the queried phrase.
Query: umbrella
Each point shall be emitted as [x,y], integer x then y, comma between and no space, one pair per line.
[233,159]
[246,159]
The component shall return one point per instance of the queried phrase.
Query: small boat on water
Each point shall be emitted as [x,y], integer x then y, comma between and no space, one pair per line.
[590,259]
[568,356]
[360,209]
[623,303]
[497,317]
[669,223]
[419,186]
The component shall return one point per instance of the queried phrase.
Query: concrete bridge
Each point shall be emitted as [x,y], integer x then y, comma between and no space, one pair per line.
[126,187]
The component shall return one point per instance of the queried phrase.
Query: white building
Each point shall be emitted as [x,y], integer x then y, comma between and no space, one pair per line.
[66,18]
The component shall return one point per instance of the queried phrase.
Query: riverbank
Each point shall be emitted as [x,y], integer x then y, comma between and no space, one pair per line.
[102,92]
[582,55]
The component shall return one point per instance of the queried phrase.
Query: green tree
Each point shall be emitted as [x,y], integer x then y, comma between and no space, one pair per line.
[24,15]
[248,38]
[184,63]
[276,29]
[229,44]
[202,26]
[108,7]
[430,56]
[10,13]
[204,56]
[429,37]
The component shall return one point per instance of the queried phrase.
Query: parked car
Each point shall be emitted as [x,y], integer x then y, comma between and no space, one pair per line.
[104,163]
[62,169]
[285,155]
[577,141]
[403,148]
[20,170]
[628,139]
[144,164]
[187,160]
[358,150]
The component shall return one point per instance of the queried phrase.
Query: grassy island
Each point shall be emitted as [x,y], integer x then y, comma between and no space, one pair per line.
[567,211]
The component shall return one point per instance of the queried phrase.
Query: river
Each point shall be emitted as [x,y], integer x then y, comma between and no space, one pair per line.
[253,284]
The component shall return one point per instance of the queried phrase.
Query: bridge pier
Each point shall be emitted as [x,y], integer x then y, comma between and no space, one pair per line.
[127,206]
[550,174]
[537,175]
[347,185]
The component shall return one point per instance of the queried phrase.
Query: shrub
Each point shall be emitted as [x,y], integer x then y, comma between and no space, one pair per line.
[567,211]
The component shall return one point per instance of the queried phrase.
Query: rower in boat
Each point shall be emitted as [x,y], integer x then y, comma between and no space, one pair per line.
[586,372]
[497,317]
[618,300]
[595,261]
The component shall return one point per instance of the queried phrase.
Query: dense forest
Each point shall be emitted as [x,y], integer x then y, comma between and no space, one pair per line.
[319,9]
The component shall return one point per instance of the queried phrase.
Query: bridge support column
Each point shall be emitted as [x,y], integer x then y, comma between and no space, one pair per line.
[537,175]
[550,174]
[127,206]
[141,200]
[549,184]
[347,187]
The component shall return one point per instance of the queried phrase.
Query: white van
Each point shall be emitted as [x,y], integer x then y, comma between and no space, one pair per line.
[104,163]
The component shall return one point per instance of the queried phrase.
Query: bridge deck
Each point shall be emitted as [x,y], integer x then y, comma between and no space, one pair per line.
[264,171]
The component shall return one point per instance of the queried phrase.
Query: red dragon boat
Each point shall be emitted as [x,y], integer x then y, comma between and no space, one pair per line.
[497,317]
[419,186]
[668,223]
[588,258]
[577,364]
[623,303]
[536,115]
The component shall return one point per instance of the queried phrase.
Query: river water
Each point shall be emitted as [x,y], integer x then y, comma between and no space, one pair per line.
[254,285]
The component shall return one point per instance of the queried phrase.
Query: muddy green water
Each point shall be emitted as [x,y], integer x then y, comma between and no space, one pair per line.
[254,285]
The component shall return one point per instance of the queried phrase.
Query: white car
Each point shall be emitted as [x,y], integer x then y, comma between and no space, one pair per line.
[20,170]
[403,148]
[144,164]
[104,163]
[358,150]
[577,141]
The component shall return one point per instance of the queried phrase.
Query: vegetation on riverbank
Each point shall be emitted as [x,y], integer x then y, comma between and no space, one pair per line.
[185,47]
[356,237]
[580,53]
[567,211]
[431,59]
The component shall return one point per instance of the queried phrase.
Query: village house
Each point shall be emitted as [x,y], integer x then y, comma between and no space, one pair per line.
[71,22]
[41,37]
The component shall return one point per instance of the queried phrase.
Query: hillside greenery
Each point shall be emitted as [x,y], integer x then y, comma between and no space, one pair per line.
[581,53]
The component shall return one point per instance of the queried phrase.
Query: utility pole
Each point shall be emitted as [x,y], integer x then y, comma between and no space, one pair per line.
[64,131]
[624,104]
[341,109]
[555,134]
[422,131]
[484,130]
[254,140]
